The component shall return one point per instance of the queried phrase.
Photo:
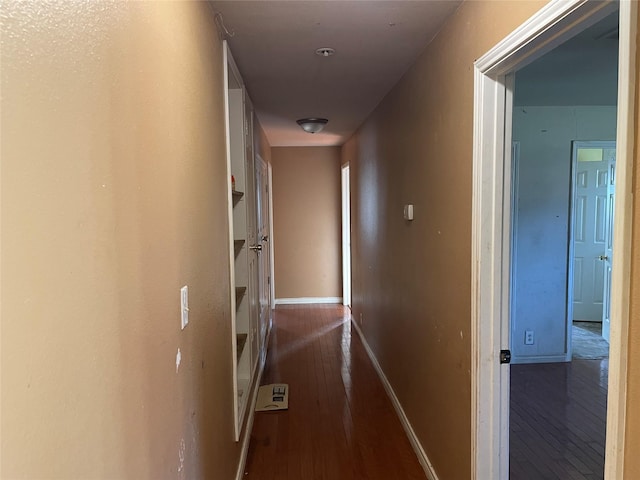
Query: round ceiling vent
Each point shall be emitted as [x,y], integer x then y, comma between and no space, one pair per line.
[325,52]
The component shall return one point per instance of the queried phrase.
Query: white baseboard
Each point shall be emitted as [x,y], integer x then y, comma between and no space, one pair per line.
[307,300]
[415,443]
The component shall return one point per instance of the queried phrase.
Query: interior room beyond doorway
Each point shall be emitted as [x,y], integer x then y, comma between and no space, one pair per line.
[563,102]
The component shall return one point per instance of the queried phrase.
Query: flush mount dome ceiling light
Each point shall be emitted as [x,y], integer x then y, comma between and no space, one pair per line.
[312,125]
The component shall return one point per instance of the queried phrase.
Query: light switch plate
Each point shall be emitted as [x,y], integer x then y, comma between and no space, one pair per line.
[184,306]
[408,212]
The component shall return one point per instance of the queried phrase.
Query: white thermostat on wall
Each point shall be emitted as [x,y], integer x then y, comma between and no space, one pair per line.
[408,212]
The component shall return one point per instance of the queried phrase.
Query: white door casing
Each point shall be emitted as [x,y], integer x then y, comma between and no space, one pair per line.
[271,239]
[553,24]
[346,237]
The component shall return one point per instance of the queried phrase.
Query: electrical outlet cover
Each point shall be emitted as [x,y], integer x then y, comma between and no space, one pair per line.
[528,337]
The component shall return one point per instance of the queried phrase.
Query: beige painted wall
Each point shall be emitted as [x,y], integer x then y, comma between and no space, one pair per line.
[306,216]
[411,281]
[113,197]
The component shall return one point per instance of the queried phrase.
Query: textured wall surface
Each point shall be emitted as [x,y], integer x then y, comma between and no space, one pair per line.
[411,280]
[113,197]
[541,231]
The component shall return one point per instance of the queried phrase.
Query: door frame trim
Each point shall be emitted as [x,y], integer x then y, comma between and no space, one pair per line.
[272,241]
[551,26]
[622,230]
[346,233]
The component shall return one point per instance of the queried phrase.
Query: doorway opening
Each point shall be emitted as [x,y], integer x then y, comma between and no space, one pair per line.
[563,122]
[594,166]
[492,223]
[346,237]
[564,126]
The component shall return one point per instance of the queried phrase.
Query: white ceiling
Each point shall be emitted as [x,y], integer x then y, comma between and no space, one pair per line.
[274,47]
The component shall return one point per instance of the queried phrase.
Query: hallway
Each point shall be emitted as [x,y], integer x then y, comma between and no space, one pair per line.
[131,261]
[340,423]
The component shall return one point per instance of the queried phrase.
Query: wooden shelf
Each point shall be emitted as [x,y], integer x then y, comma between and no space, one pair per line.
[240,291]
[237,246]
[241,341]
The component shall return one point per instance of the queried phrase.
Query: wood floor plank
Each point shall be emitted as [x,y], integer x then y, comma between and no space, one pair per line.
[340,424]
[558,420]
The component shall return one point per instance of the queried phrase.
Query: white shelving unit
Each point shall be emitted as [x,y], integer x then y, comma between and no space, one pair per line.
[242,231]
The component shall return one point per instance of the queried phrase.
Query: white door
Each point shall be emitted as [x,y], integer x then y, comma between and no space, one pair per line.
[590,225]
[607,259]
[252,234]
[346,237]
[264,267]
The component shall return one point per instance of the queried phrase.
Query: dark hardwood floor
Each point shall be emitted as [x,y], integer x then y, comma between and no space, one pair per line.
[558,420]
[340,424]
